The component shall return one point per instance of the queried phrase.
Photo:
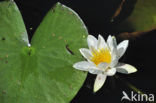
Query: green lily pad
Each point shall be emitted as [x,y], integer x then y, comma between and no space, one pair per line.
[143,17]
[42,72]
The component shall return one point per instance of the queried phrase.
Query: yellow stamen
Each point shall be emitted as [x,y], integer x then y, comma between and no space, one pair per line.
[102,55]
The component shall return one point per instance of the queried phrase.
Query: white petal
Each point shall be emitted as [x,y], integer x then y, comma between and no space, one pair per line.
[86,53]
[103,65]
[95,71]
[110,42]
[84,65]
[101,42]
[121,48]
[99,82]
[114,41]
[114,63]
[125,68]
[101,68]
[111,72]
[114,54]
[92,42]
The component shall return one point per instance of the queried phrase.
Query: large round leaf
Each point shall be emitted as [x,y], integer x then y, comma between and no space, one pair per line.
[43,72]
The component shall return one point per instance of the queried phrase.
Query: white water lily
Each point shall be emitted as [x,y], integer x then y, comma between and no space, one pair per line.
[102,59]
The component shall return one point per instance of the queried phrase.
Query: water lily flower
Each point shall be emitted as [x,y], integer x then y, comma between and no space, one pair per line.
[102,59]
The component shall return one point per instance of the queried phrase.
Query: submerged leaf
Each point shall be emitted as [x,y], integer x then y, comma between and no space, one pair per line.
[143,17]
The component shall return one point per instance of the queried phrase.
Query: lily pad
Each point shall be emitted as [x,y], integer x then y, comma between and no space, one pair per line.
[42,72]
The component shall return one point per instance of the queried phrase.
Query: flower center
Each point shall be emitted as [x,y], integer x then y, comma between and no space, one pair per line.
[101,55]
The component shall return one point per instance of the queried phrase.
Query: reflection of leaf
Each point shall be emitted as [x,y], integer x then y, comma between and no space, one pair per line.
[143,17]
[41,73]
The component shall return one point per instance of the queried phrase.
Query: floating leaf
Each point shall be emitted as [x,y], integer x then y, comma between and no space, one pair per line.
[43,72]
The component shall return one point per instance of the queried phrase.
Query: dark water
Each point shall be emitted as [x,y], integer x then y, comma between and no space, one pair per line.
[96,15]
